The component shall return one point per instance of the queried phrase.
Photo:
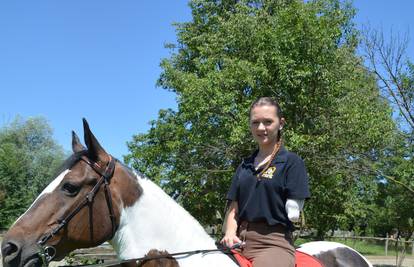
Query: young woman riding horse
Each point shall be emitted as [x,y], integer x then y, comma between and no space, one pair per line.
[96,198]
[267,193]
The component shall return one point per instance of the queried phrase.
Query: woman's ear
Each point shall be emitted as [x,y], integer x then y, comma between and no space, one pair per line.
[282,123]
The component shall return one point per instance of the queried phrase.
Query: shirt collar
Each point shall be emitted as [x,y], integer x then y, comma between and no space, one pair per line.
[280,157]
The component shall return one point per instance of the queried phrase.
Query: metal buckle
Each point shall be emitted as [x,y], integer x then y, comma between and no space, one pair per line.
[47,254]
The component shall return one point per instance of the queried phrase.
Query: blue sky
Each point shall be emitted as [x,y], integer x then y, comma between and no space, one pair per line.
[65,60]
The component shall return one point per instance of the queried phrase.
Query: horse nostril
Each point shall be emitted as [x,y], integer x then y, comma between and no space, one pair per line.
[10,251]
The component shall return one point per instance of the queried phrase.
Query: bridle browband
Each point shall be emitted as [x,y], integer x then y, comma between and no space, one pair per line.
[47,253]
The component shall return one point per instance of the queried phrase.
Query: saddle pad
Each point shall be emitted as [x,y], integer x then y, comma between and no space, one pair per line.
[241,260]
[302,260]
[306,260]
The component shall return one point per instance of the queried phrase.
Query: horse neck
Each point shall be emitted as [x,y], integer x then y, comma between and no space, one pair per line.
[156,221]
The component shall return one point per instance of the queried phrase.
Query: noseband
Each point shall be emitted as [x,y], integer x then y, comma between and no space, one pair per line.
[47,253]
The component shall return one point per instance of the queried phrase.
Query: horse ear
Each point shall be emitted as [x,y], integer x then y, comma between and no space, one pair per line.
[95,151]
[76,144]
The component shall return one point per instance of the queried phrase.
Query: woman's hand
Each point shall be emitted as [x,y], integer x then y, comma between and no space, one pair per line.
[230,239]
[230,227]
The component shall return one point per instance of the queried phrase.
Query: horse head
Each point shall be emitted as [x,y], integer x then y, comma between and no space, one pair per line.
[80,208]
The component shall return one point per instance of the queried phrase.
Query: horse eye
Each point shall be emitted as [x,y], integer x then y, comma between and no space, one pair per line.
[70,189]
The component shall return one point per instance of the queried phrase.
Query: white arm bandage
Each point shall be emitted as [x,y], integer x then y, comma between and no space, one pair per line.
[293,208]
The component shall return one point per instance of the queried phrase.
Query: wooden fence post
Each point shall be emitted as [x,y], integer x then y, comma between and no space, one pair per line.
[412,248]
[386,245]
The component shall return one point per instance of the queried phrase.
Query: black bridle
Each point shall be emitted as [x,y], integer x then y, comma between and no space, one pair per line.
[47,253]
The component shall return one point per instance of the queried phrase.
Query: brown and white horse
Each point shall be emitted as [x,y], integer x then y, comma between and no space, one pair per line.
[95,198]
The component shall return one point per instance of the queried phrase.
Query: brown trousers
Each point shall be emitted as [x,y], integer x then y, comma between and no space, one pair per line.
[267,246]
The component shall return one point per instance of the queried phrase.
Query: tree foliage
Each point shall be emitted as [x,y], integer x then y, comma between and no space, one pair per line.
[303,54]
[388,61]
[28,158]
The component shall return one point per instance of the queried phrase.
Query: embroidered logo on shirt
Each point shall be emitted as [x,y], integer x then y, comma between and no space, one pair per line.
[269,173]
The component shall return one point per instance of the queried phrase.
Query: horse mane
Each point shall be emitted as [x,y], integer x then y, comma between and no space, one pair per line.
[70,161]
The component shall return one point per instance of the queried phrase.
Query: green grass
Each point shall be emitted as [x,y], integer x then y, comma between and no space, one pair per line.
[365,247]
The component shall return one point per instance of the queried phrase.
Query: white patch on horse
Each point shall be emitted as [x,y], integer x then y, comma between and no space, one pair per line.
[318,247]
[157,221]
[52,186]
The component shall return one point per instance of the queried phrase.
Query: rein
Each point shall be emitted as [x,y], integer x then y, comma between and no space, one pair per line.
[225,250]
[47,253]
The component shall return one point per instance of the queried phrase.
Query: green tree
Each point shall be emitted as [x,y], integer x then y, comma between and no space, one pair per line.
[388,61]
[28,159]
[393,211]
[235,51]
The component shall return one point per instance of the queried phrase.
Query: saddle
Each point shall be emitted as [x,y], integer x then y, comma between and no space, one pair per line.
[305,260]
[302,260]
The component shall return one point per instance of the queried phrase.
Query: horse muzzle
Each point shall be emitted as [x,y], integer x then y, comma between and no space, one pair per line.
[17,254]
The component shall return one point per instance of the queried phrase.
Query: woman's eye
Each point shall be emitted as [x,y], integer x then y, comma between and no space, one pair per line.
[70,189]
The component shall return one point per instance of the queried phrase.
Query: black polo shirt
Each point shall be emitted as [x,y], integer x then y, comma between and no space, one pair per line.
[263,199]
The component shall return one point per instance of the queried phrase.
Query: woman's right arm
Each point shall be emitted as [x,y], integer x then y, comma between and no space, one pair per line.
[230,226]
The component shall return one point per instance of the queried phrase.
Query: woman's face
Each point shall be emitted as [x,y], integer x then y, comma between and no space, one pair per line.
[265,124]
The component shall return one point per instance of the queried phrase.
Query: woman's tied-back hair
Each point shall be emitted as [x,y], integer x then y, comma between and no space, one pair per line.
[267,101]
